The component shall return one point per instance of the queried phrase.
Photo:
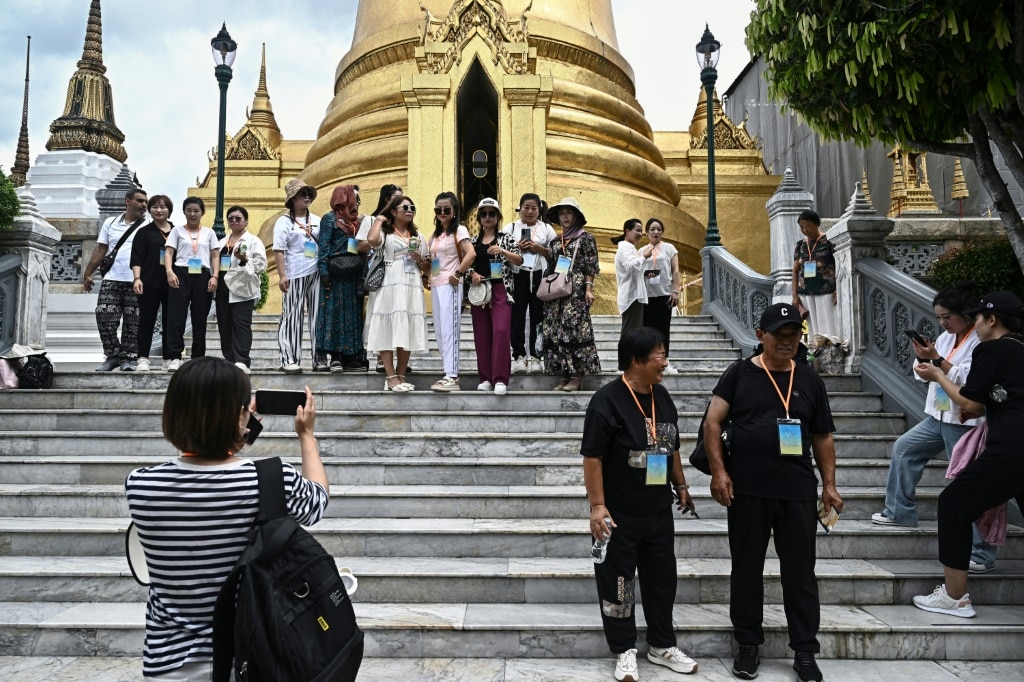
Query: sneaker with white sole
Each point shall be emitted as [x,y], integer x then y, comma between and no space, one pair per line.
[519,365]
[940,602]
[242,366]
[672,658]
[534,366]
[625,667]
[500,389]
[446,385]
[143,365]
[880,519]
[291,368]
[977,568]
[746,663]
[173,365]
[485,386]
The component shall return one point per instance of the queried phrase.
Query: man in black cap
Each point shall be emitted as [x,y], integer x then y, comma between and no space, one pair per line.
[780,415]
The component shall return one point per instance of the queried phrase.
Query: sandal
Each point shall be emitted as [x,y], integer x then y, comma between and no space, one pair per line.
[408,386]
[399,388]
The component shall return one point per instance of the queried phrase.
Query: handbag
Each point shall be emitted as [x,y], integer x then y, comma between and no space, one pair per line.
[555,286]
[373,276]
[108,260]
[345,265]
[699,456]
[479,294]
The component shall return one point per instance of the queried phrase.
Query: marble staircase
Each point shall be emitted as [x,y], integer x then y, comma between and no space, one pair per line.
[467,532]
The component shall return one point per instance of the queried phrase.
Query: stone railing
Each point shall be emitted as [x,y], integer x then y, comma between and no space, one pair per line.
[735,295]
[10,263]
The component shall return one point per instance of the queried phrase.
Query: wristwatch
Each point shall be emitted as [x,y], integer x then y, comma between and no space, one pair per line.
[938,361]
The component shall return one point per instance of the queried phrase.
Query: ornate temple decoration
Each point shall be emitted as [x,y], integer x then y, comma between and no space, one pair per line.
[728,135]
[88,120]
[250,145]
[260,137]
[443,40]
[20,168]
[864,185]
[898,189]
[959,191]
[911,173]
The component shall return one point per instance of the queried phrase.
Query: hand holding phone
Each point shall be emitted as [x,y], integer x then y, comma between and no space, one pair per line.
[916,338]
[279,402]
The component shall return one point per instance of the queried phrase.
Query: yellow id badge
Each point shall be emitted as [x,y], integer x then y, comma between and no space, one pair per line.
[225,262]
[161,255]
[657,468]
[810,269]
[942,401]
[353,245]
[435,266]
[791,440]
[495,269]
[562,266]
[195,266]
[309,249]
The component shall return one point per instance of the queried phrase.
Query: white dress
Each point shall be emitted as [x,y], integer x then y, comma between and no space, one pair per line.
[398,314]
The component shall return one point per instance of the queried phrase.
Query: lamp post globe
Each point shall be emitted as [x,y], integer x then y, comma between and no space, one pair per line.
[223,49]
[708,52]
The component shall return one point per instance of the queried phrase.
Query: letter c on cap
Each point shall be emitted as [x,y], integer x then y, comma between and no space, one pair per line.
[784,312]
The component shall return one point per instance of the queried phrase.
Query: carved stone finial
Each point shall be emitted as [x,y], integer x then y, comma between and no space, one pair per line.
[19,171]
[789,183]
[111,197]
[859,204]
[27,200]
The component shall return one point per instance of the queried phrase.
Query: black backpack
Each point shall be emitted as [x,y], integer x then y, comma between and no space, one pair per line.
[37,372]
[292,620]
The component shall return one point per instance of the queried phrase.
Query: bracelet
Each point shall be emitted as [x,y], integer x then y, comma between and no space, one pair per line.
[589,284]
[682,486]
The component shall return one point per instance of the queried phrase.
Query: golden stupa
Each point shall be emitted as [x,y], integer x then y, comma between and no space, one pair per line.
[492,98]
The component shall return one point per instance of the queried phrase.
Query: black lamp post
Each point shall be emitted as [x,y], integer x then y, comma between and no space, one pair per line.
[708,51]
[224,49]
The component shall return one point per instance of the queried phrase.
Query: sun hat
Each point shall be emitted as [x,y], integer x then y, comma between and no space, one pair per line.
[294,186]
[552,214]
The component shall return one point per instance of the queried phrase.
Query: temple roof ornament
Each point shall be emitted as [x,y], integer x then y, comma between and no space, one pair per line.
[859,204]
[960,191]
[88,120]
[910,177]
[727,134]
[789,182]
[21,161]
[442,40]
[864,184]
[261,114]
[250,145]
[111,197]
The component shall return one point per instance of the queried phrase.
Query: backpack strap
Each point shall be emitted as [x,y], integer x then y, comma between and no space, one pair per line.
[271,482]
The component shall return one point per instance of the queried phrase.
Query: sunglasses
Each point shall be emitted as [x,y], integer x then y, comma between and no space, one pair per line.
[488,214]
[235,218]
[442,210]
[408,208]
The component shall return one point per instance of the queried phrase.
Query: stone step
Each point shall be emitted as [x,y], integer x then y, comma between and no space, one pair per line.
[546,630]
[484,538]
[602,336]
[524,424]
[520,581]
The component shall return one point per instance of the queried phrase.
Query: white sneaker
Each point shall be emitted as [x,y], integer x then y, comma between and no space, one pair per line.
[625,667]
[534,366]
[672,658]
[485,386]
[291,368]
[242,366]
[978,568]
[172,365]
[500,389]
[519,365]
[880,519]
[143,365]
[671,370]
[940,602]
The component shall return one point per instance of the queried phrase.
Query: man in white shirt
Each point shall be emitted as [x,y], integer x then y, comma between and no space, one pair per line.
[117,304]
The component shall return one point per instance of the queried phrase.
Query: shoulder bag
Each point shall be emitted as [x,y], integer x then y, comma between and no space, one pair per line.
[556,286]
[373,277]
[699,456]
[108,260]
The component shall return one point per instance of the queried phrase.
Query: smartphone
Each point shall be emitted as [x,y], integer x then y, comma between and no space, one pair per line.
[526,235]
[915,336]
[279,402]
[255,428]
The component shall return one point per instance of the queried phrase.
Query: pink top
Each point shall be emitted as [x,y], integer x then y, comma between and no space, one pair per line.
[443,248]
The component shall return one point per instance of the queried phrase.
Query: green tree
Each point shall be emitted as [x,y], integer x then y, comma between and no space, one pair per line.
[9,204]
[926,74]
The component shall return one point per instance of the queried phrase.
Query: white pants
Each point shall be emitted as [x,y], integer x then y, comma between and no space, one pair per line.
[447,310]
[822,315]
[302,293]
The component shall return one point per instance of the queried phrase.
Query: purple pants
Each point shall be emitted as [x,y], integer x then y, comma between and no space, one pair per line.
[492,332]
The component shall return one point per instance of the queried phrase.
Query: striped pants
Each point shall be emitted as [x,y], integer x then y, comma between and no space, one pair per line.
[303,293]
[447,310]
[117,302]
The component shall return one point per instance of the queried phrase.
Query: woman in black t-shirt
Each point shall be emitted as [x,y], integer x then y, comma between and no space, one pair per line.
[150,277]
[995,388]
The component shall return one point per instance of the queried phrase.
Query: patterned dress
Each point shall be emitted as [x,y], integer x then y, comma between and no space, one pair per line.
[568,332]
[339,328]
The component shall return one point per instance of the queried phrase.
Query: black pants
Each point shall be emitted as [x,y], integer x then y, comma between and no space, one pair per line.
[658,315]
[526,284]
[117,305]
[633,317]
[643,546]
[986,482]
[234,323]
[192,297]
[794,522]
[151,301]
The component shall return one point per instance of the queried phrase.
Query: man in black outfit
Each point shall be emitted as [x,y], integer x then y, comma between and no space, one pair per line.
[780,415]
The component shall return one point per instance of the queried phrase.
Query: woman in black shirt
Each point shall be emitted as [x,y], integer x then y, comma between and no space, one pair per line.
[150,283]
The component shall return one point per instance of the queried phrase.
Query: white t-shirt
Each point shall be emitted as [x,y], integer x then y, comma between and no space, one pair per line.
[629,274]
[660,260]
[540,233]
[291,237]
[961,361]
[110,234]
[187,245]
[364,228]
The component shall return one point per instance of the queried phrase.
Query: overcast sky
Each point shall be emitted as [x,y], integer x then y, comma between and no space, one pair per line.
[166,98]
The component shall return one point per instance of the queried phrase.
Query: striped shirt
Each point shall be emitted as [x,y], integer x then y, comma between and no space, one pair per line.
[192,522]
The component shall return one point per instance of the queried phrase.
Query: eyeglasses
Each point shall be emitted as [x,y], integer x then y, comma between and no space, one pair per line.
[442,210]
[408,208]
[488,214]
[235,218]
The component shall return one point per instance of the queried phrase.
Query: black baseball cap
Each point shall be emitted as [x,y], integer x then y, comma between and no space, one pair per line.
[777,316]
[998,302]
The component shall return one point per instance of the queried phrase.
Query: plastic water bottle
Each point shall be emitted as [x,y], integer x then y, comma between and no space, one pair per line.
[599,552]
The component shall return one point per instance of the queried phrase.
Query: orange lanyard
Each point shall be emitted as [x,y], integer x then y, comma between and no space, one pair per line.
[654,255]
[810,249]
[195,242]
[307,228]
[956,347]
[652,424]
[789,393]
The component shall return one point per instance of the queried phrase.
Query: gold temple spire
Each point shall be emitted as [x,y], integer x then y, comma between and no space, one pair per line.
[20,168]
[960,191]
[88,120]
[261,115]
[898,192]
[864,184]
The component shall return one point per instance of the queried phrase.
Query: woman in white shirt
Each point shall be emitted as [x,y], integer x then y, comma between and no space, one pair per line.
[661,277]
[451,257]
[295,255]
[243,257]
[533,236]
[192,264]
[629,274]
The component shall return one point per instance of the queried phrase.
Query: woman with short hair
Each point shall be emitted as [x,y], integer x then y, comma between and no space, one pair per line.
[150,276]
[243,258]
[532,235]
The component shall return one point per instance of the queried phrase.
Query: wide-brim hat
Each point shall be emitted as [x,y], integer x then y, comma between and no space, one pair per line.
[552,215]
[998,302]
[294,186]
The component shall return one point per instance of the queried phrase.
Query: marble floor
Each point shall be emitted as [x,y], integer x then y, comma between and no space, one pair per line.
[96,669]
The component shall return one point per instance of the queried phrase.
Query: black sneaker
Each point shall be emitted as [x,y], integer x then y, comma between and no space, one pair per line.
[744,666]
[806,668]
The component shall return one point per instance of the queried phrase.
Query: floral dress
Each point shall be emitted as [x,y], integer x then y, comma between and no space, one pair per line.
[568,331]
[339,328]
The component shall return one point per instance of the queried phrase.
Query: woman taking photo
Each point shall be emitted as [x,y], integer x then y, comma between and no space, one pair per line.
[451,257]
[661,277]
[243,257]
[533,236]
[495,254]
[192,267]
[295,256]
[568,332]
[995,388]
[339,329]
[629,275]
[150,276]
[397,315]
[194,513]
